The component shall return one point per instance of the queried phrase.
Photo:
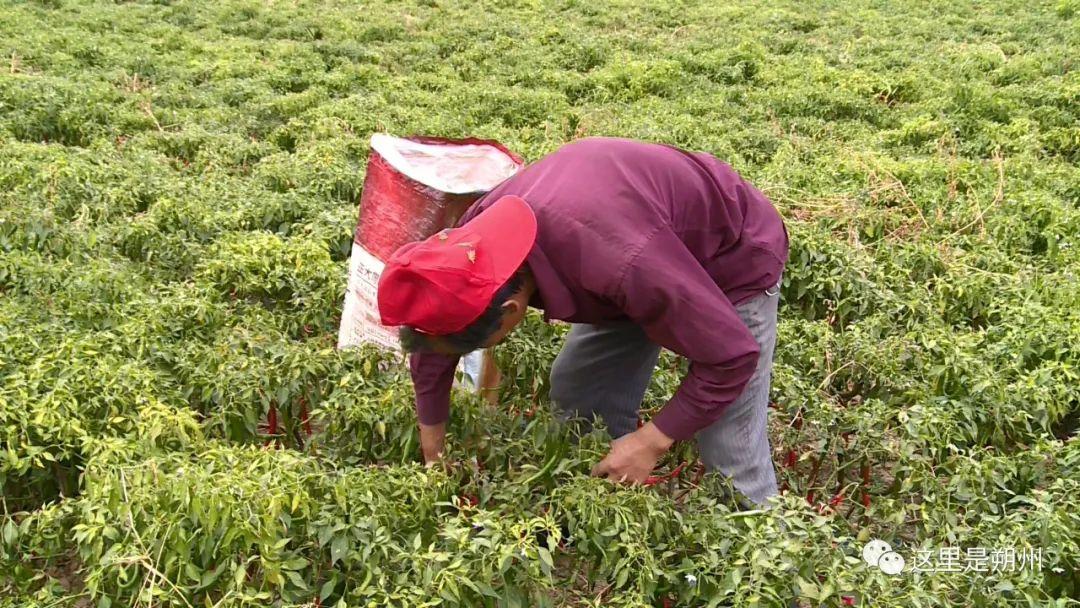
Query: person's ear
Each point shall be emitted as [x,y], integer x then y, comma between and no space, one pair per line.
[511,307]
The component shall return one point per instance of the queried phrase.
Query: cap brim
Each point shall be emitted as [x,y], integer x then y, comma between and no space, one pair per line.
[508,229]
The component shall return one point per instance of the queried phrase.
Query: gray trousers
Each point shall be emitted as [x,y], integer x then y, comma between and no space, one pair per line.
[604,370]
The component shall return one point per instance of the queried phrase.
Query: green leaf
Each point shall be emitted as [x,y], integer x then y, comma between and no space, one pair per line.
[296,579]
[505,562]
[209,578]
[338,548]
[732,580]
[621,578]
[807,589]
[10,532]
[486,589]
[325,533]
[326,589]
[296,563]
[545,558]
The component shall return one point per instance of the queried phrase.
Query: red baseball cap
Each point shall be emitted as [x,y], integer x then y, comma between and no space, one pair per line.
[442,284]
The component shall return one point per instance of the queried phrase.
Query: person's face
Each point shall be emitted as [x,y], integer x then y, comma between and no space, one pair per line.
[513,311]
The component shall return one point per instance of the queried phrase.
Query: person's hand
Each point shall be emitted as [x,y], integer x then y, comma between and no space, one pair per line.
[432,442]
[633,457]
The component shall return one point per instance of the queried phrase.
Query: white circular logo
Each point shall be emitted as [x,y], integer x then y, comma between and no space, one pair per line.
[891,563]
[873,551]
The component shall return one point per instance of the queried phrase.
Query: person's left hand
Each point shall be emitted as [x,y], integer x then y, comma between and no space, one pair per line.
[633,457]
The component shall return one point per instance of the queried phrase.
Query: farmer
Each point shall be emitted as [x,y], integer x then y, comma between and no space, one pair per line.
[640,246]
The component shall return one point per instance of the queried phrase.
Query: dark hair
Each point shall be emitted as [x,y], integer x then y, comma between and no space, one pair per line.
[475,334]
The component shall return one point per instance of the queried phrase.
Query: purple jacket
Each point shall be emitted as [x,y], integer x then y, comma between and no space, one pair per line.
[666,238]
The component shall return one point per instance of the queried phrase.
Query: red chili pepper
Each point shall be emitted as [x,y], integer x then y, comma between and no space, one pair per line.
[652,480]
[866,500]
[667,602]
[271,424]
[304,418]
[810,497]
[839,498]
[791,459]
[849,600]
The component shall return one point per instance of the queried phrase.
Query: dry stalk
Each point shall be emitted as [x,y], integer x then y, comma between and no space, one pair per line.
[145,106]
[999,196]
[894,183]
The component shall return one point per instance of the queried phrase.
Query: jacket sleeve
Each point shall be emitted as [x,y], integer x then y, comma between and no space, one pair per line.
[666,291]
[433,376]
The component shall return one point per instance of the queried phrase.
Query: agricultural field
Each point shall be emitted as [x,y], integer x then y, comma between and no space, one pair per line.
[178,188]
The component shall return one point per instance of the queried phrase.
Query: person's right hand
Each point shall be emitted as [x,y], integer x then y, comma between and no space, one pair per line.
[432,442]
